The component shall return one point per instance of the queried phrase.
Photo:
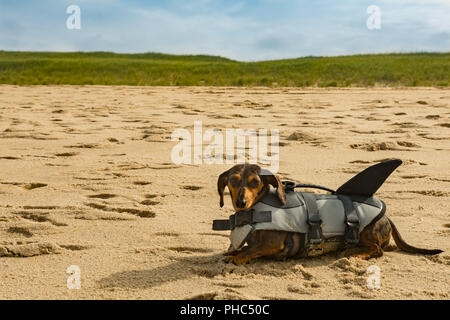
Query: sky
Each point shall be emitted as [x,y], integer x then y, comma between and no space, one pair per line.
[245,30]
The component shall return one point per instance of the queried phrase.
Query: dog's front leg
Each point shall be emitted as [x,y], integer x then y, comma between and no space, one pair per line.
[269,243]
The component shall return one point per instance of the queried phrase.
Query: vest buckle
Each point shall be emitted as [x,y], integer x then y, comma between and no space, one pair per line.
[315,232]
[352,232]
[315,238]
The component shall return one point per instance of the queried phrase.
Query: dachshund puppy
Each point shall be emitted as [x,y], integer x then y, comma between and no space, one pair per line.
[248,184]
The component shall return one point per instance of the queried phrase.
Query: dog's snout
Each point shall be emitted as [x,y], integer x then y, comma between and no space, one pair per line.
[240,203]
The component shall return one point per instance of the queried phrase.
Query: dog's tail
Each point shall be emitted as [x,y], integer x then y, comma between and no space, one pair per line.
[402,245]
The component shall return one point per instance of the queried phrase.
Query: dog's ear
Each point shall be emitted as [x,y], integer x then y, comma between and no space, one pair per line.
[269,178]
[221,183]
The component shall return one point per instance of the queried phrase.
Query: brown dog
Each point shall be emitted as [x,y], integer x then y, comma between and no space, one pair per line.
[248,184]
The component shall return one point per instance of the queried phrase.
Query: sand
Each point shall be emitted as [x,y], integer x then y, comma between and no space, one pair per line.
[86,179]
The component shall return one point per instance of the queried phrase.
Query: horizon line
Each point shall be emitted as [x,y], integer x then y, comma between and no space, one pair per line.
[232,60]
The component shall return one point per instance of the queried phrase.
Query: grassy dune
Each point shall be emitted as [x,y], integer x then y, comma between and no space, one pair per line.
[154,69]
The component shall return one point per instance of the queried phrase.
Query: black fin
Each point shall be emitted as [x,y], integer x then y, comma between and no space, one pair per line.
[367,182]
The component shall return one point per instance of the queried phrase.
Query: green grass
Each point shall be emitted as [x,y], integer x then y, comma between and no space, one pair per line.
[155,69]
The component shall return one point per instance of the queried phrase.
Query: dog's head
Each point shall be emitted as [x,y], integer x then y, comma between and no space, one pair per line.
[248,183]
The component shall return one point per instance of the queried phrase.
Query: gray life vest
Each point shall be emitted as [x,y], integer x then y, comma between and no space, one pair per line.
[321,217]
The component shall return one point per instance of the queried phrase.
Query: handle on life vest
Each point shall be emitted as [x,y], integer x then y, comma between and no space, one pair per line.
[290,186]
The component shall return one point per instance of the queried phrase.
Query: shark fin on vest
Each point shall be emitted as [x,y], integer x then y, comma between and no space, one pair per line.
[367,182]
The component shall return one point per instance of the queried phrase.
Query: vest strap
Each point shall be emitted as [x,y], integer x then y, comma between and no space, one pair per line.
[351,219]
[315,236]
[241,218]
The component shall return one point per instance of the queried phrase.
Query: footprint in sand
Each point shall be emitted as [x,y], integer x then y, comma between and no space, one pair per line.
[377,146]
[431,193]
[152,196]
[360,161]
[407,125]
[308,138]
[83,146]
[41,207]
[38,216]
[193,188]
[405,161]
[307,288]
[302,136]
[189,113]
[75,247]
[21,230]
[435,137]
[349,171]
[368,131]
[218,116]
[167,234]
[30,229]
[149,202]
[164,166]
[133,211]
[141,183]
[440,179]
[374,146]
[66,154]
[230,285]
[408,144]
[190,249]
[417,176]
[102,196]
[227,294]
[34,185]
[28,249]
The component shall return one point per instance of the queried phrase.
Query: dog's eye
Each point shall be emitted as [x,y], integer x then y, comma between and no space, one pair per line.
[234,181]
[253,183]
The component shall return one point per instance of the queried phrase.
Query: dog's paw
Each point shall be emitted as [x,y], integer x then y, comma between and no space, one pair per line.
[237,260]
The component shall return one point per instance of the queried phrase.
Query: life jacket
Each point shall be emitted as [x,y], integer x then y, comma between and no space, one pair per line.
[329,221]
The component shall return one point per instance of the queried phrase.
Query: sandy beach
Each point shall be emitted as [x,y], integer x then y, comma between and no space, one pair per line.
[87,180]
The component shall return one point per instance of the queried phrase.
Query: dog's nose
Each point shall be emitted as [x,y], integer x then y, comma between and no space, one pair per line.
[241,203]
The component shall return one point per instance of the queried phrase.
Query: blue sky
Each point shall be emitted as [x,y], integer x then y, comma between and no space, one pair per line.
[245,30]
